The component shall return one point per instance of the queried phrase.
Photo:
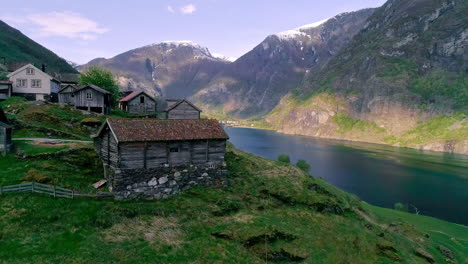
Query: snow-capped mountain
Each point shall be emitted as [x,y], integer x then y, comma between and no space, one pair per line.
[169,68]
[254,83]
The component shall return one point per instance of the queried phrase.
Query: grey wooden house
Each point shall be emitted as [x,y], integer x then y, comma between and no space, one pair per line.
[182,109]
[93,99]
[138,103]
[5,134]
[66,95]
[174,153]
[5,90]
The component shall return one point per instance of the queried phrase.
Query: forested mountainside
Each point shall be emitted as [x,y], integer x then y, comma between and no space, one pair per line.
[403,80]
[254,84]
[169,69]
[16,47]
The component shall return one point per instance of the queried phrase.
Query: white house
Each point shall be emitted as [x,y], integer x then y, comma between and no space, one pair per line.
[34,84]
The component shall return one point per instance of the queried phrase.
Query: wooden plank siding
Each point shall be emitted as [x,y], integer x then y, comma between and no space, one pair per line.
[96,101]
[183,111]
[137,155]
[135,107]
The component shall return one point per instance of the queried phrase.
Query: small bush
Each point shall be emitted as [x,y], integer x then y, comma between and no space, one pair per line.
[91,122]
[284,158]
[303,165]
[35,176]
[401,207]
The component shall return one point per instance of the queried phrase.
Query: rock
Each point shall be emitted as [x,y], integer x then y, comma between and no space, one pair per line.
[168,190]
[204,174]
[166,165]
[424,254]
[153,182]
[172,183]
[163,180]
[129,187]
[446,252]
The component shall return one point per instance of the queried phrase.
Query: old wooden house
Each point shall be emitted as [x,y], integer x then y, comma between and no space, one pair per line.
[66,95]
[182,109]
[138,103]
[93,99]
[170,153]
[5,134]
[5,90]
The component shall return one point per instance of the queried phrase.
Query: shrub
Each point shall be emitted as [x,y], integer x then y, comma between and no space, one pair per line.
[303,165]
[36,176]
[284,158]
[401,207]
[91,122]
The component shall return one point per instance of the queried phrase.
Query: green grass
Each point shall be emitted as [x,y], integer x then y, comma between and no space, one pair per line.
[347,124]
[270,211]
[439,129]
[30,148]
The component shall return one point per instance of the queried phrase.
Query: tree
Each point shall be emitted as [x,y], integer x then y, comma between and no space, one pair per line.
[284,158]
[102,78]
[3,73]
[401,207]
[303,165]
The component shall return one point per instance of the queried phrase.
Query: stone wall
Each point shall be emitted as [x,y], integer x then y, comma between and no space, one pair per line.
[163,182]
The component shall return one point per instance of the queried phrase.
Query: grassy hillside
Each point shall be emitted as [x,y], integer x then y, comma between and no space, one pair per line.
[269,212]
[16,47]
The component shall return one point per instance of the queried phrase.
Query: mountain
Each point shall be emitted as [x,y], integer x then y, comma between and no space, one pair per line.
[402,80]
[254,83]
[173,69]
[16,47]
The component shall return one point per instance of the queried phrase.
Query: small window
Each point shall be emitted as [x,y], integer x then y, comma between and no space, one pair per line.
[72,95]
[21,83]
[36,83]
[174,149]
[89,96]
[142,99]
[30,71]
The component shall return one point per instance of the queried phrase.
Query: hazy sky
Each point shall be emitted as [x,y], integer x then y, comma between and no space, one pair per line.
[81,30]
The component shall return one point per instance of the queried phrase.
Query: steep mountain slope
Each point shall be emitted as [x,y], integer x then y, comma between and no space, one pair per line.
[403,80]
[169,69]
[16,47]
[255,83]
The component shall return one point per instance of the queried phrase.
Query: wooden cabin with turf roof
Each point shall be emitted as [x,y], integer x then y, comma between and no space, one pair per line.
[66,95]
[92,98]
[6,145]
[181,109]
[138,103]
[153,158]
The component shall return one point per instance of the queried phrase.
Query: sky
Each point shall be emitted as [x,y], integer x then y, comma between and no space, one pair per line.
[82,30]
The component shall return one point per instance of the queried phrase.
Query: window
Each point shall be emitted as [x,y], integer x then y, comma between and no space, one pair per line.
[30,71]
[72,95]
[174,149]
[142,99]
[21,83]
[89,96]
[36,83]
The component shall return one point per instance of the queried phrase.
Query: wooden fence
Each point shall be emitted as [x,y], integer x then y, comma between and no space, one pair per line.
[36,187]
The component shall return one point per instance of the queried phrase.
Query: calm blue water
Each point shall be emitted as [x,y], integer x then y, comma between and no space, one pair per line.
[435,183]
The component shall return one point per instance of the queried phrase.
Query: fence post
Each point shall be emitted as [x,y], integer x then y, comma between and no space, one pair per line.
[32,187]
[54,192]
[73,194]
[1,190]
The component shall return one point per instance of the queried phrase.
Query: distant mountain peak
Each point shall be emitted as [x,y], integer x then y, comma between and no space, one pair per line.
[299,31]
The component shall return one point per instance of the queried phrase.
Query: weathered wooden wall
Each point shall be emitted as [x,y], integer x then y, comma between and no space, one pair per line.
[146,108]
[183,111]
[82,101]
[148,155]
[107,148]
[5,140]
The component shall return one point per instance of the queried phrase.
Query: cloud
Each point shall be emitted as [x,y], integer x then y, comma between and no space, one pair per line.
[188,9]
[170,9]
[62,24]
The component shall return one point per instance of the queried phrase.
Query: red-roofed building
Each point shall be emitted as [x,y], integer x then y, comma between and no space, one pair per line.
[138,103]
[153,157]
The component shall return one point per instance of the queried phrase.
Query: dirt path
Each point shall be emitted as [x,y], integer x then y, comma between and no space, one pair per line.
[53,140]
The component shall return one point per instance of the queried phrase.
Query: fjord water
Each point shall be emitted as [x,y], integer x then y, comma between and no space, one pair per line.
[435,183]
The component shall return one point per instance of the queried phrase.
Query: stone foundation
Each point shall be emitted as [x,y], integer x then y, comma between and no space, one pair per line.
[163,182]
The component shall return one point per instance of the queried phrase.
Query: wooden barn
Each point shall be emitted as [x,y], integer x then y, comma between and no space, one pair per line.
[152,143]
[66,95]
[5,134]
[181,109]
[93,99]
[138,103]
[5,90]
